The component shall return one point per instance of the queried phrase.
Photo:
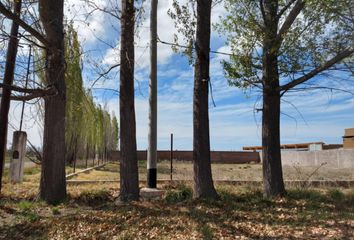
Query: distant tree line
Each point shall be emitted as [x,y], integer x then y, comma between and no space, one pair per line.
[90,129]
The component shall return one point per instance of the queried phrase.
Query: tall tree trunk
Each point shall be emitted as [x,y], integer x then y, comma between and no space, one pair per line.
[203,182]
[6,93]
[53,183]
[129,182]
[271,155]
[272,168]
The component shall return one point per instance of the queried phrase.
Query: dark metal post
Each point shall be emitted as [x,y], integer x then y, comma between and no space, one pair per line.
[171,157]
[27,75]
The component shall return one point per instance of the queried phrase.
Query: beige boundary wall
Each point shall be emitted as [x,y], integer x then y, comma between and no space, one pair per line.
[338,158]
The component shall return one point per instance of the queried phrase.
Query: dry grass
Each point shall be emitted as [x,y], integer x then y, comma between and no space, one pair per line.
[241,213]
[184,171]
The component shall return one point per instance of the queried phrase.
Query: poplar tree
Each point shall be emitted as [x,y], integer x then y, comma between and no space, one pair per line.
[278,47]
[129,176]
[196,29]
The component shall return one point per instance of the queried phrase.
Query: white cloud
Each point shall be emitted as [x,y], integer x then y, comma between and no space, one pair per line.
[90,23]
[233,122]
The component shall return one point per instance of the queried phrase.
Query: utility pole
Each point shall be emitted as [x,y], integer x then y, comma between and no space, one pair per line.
[27,76]
[152,138]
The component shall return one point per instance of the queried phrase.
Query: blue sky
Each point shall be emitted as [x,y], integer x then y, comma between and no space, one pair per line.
[313,116]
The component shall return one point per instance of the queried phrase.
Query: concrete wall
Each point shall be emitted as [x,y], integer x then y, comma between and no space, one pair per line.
[338,158]
[18,156]
[216,156]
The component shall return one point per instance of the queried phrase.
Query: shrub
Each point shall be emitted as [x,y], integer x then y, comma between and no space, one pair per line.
[94,197]
[336,195]
[310,195]
[180,194]
[25,206]
[207,232]
[55,211]
[32,170]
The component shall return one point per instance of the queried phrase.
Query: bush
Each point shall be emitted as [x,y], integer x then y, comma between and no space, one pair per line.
[310,195]
[207,232]
[25,206]
[180,194]
[27,210]
[32,170]
[55,211]
[336,195]
[94,197]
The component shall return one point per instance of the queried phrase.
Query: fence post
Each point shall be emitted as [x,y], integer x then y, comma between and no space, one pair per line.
[171,157]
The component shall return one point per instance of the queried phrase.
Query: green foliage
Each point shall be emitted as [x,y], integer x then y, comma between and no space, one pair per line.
[27,210]
[185,23]
[25,206]
[55,211]
[322,29]
[306,194]
[89,129]
[180,194]
[94,197]
[207,232]
[32,216]
[32,170]
[115,132]
[336,194]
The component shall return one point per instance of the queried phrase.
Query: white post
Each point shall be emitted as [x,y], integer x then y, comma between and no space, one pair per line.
[18,156]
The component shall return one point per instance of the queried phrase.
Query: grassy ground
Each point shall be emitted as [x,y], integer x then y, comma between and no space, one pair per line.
[241,212]
[184,171]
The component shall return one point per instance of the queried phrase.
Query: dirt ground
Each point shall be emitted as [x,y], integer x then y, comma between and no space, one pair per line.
[91,212]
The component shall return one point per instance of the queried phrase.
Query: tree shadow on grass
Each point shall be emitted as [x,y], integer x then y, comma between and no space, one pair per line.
[28,230]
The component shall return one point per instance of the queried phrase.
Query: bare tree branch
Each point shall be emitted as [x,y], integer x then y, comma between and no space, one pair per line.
[285,8]
[339,57]
[104,74]
[262,9]
[37,153]
[7,13]
[40,94]
[33,93]
[112,12]
[295,11]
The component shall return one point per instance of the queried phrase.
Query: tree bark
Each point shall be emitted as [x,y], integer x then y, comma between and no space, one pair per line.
[53,182]
[271,155]
[272,168]
[203,182]
[129,182]
[6,93]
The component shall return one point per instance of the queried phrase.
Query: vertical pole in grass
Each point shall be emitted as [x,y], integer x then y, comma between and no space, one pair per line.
[152,138]
[171,156]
